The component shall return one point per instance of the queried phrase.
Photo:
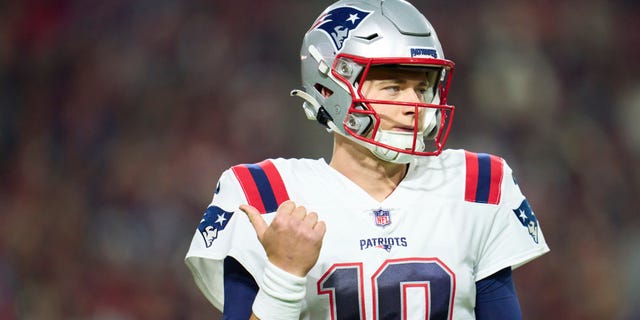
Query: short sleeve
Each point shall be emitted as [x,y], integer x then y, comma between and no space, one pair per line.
[515,236]
[223,231]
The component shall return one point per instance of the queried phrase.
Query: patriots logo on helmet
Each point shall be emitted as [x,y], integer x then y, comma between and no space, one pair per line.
[382,217]
[339,22]
[215,220]
[424,52]
[528,219]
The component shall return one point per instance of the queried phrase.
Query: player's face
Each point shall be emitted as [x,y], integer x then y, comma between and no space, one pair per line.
[397,85]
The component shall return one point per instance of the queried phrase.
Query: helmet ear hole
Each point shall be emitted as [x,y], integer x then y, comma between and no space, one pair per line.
[324,91]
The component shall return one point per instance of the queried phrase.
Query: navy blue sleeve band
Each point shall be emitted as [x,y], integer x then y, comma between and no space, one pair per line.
[496,297]
[240,290]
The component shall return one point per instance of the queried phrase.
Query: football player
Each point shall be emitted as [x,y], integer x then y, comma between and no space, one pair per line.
[394,226]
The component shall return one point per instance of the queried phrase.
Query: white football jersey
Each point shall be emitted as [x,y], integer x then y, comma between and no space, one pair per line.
[454,219]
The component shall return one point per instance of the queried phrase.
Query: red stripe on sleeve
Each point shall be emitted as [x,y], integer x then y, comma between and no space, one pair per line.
[277,185]
[249,187]
[471,183]
[496,180]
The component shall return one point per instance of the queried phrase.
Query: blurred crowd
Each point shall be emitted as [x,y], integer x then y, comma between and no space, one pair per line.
[117,117]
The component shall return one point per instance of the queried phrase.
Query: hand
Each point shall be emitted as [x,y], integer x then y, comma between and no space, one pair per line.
[293,239]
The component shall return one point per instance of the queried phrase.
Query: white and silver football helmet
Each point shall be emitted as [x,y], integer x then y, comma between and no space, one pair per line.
[349,38]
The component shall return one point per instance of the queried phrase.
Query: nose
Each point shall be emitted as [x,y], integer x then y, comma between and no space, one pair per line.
[410,96]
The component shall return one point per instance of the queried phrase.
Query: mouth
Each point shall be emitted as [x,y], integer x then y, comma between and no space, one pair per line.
[403,129]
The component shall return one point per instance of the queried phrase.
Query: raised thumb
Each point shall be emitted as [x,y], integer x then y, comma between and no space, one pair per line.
[255,218]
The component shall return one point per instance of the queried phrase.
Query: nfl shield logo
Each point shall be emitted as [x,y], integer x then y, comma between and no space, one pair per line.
[383,218]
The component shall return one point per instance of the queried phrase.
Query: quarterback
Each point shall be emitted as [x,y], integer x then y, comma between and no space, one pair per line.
[394,226]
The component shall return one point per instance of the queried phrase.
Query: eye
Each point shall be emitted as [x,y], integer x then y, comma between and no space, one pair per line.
[423,93]
[392,89]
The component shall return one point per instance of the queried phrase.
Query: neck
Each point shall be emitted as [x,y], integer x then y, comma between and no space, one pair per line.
[375,176]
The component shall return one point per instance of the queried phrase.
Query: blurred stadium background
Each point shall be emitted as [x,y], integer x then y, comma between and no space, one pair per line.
[117,117]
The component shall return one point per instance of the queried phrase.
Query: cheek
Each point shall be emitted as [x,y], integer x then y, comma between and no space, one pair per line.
[385,113]
[383,110]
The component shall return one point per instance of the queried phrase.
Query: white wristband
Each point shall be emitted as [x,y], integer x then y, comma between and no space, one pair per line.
[280,296]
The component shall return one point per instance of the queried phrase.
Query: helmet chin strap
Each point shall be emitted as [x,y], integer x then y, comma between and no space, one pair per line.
[383,153]
[404,140]
[310,106]
[401,140]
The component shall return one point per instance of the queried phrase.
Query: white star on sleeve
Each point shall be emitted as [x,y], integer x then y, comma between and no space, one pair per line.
[221,219]
[523,216]
[353,18]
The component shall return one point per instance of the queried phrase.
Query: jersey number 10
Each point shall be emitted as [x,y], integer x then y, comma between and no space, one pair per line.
[344,283]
